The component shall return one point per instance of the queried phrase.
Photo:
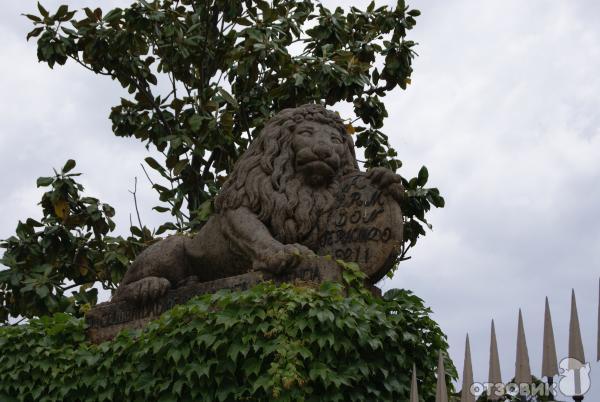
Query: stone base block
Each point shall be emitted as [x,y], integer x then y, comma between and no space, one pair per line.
[106,320]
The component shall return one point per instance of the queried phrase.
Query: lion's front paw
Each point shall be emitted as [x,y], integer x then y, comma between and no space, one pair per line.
[145,290]
[298,248]
[283,259]
[387,181]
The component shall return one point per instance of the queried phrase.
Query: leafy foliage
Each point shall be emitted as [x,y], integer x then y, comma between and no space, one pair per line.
[205,76]
[69,248]
[270,342]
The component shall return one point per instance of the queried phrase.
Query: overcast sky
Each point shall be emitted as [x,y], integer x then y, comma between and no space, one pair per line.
[503,109]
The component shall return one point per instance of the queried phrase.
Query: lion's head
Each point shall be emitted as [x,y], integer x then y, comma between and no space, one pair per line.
[289,173]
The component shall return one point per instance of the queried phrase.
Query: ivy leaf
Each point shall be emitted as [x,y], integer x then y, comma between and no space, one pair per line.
[325,315]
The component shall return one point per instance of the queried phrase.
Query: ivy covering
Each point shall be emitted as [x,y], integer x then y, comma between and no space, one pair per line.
[272,342]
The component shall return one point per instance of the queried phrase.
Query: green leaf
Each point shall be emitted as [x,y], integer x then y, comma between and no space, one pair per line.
[423,176]
[33,18]
[61,12]
[154,164]
[195,122]
[228,98]
[177,387]
[44,181]
[69,166]
[35,32]
[136,231]
[179,166]
[164,227]
[42,291]
[205,211]
[42,10]
[325,315]
[113,15]
[298,79]
[251,366]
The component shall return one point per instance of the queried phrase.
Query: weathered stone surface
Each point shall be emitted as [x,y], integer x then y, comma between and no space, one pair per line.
[365,227]
[106,320]
[296,192]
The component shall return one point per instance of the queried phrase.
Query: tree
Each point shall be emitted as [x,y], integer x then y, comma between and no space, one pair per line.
[204,76]
[68,248]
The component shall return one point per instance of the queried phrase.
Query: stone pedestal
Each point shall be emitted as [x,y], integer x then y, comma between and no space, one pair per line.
[364,227]
[106,320]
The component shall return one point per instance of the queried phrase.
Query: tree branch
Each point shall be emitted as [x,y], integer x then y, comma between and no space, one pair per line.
[88,67]
[373,90]
[137,81]
[134,193]
[151,182]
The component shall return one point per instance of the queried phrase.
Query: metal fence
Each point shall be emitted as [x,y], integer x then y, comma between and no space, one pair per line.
[572,372]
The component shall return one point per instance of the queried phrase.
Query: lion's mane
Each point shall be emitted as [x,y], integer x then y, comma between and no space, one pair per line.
[265,181]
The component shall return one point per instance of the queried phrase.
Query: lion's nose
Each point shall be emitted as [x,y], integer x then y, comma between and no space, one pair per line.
[322,151]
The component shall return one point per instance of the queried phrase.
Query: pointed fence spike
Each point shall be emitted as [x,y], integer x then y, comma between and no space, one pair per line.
[414,390]
[575,342]
[549,359]
[441,392]
[495,376]
[522,368]
[465,393]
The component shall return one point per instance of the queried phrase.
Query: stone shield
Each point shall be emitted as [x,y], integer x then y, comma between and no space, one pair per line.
[366,227]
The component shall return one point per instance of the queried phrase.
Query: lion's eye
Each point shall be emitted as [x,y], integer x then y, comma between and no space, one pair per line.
[336,139]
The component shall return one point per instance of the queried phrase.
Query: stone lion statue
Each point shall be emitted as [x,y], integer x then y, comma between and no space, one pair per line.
[269,211]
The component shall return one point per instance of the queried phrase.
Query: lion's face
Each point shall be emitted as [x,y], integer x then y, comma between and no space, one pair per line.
[289,174]
[319,150]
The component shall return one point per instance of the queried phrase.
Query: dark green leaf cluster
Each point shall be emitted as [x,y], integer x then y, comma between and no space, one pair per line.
[204,76]
[271,342]
[54,262]
[416,203]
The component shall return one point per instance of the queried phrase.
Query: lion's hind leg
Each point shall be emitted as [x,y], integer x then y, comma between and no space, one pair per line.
[144,290]
[157,269]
